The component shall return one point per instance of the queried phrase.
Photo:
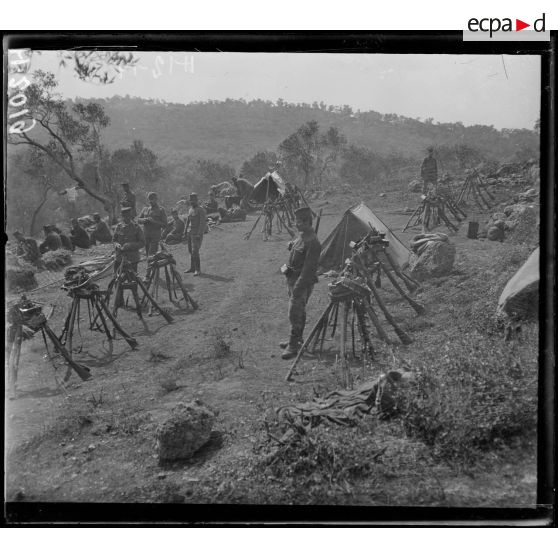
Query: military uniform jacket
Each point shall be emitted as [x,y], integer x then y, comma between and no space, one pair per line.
[130,237]
[128,199]
[157,222]
[429,170]
[197,221]
[304,259]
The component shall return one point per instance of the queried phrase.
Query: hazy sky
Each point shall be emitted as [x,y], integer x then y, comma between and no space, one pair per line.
[473,89]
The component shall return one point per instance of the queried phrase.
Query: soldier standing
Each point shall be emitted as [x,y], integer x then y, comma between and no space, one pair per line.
[301,274]
[128,240]
[196,224]
[429,171]
[128,198]
[154,221]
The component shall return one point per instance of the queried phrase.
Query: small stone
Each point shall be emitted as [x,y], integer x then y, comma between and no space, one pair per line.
[162,476]
[91,447]
[272,356]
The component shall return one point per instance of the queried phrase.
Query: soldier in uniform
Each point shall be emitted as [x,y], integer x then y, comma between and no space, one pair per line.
[52,240]
[429,171]
[301,274]
[128,198]
[100,233]
[78,235]
[196,225]
[27,248]
[154,221]
[128,240]
[174,232]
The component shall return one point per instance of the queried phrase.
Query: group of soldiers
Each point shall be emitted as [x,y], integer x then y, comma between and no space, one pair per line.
[54,239]
[151,226]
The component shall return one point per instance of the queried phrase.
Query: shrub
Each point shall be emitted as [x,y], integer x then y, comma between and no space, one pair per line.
[473,395]
[221,347]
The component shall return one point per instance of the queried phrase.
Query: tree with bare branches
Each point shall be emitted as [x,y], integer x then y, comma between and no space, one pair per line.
[66,134]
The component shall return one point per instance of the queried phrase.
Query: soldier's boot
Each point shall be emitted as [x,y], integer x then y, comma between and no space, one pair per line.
[292,348]
[197,266]
[192,266]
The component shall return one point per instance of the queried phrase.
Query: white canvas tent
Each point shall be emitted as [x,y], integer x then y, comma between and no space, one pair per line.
[520,297]
[354,225]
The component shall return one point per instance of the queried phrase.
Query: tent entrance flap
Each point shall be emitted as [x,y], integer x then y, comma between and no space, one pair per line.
[354,224]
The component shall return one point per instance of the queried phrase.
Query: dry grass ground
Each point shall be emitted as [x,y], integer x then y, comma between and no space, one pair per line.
[94,442]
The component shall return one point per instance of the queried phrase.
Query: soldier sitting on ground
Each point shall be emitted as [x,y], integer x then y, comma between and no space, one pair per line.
[211,206]
[52,240]
[235,213]
[78,235]
[100,232]
[64,239]
[27,248]
[174,233]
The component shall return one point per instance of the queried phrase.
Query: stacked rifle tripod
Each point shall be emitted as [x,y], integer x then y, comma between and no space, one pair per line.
[83,291]
[353,298]
[475,188]
[279,212]
[433,211]
[163,263]
[25,318]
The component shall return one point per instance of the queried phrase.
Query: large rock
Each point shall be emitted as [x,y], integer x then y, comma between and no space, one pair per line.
[522,224]
[185,431]
[434,261]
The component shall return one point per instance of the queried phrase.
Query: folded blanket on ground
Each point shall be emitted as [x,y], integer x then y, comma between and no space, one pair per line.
[344,407]
[420,241]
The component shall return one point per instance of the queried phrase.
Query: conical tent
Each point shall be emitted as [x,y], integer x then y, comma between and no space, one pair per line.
[520,296]
[269,187]
[354,225]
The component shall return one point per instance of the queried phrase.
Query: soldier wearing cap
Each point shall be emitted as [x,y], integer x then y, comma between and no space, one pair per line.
[128,198]
[100,233]
[128,240]
[154,221]
[301,274]
[429,171]
[196,225]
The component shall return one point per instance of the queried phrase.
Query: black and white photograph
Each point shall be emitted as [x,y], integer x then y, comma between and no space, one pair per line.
[306,277]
